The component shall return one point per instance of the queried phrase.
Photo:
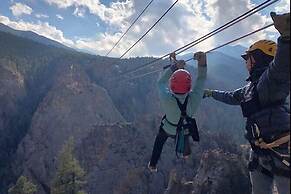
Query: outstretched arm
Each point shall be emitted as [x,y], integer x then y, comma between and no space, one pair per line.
[163,88]
[198,88]
[163,81]
[274,84]
[231,98]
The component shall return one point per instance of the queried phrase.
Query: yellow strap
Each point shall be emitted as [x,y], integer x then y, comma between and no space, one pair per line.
[276,143]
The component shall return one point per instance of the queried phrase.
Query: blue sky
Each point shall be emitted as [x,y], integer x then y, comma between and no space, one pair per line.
[94,25]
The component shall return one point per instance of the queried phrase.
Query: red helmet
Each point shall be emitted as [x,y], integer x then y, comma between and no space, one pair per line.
[180,82]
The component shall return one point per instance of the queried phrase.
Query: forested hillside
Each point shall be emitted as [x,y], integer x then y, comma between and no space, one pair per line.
[49,94]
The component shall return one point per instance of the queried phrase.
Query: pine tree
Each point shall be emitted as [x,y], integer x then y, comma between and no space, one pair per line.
[23,186]
[70,177]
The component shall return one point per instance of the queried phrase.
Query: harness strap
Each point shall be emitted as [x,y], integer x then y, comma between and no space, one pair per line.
[263,145]
[279,171]
[183,115]
[183,107]
[259,144]
[179,132]
[165,118]
[274,171]
[255,165]
[265,171]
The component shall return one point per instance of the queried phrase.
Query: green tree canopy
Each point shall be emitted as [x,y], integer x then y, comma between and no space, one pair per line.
[23,186]
[70,177]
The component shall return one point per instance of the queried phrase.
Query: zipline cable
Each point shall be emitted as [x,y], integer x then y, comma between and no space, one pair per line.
[189,45]
[149,29]
[158,70]
[129,27]
[244,17]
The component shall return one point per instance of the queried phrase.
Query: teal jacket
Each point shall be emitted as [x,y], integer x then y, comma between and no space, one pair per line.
[169,104]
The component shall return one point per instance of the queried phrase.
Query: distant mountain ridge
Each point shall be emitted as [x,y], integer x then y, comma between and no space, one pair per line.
[232,51]
[32,36]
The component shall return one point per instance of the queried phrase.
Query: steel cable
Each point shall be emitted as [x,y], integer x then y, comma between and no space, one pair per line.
[149,29]
[193,43]
[158,70]
[129,27]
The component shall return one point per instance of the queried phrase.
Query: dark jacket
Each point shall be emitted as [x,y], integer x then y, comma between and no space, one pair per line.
[270,87]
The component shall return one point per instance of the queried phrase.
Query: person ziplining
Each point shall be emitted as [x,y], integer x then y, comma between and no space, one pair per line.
[179,101]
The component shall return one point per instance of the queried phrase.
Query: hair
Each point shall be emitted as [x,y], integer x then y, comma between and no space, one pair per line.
[262,62]
[261,59]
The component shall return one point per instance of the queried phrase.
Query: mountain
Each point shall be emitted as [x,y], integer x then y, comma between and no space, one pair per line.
[49,94]
[32,36]
[208,180]
[233,51]
[70,108]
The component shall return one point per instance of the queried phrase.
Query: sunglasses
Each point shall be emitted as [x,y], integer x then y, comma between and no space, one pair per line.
[246,56]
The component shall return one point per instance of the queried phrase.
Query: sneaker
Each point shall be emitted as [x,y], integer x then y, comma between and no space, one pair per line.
[152,168]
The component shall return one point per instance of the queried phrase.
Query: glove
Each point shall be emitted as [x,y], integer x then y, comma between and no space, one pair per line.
[180,64]
[282,24]
[201,58]
[207,93]
[173,56]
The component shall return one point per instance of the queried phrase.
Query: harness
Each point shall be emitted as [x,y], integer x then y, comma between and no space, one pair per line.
[185,122]
[258,143]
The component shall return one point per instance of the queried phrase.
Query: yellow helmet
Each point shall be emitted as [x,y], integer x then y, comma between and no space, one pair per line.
[268,47]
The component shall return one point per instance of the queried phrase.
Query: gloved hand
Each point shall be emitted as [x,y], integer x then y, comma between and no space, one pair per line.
[173,57]
[207,93]
[201,58]
[180,64]
[282,23]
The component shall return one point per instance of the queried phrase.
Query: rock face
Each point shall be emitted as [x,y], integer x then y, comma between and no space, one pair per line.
[221,172]
[115,159]
[12,91]
[218,173]
[71,107]
[112,156]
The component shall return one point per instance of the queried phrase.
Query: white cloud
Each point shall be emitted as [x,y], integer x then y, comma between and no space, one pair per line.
[189,20]
[19,9]
[101,44]
[283,6]
[79,12]
[115,14]
[41,28]
[59,17]
[175,30]
[218,15]
[39,15]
